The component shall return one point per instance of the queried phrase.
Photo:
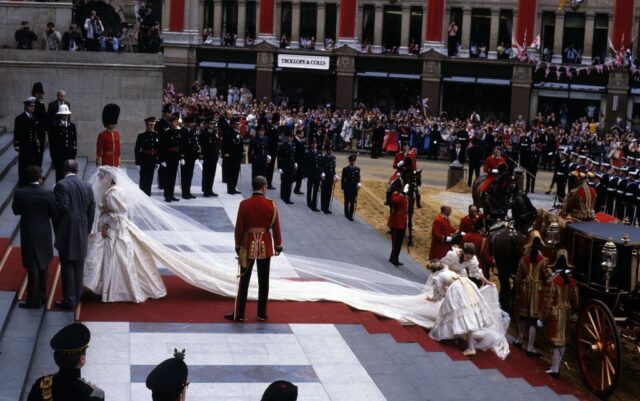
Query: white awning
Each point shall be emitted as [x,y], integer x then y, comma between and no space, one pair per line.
[404,76]
[212,64]
[464,80]
[231,66]
[493,81]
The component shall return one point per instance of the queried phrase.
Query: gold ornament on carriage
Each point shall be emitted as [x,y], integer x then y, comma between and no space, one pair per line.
[609,261]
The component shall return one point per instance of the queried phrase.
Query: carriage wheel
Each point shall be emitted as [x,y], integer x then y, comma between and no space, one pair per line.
[598,348]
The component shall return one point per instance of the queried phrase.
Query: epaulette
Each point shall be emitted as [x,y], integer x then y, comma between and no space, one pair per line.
[46,385]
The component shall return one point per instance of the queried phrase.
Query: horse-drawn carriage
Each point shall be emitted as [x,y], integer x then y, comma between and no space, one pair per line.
[606,258]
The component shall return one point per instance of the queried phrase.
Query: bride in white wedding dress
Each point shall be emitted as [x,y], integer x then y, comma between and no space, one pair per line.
[206,259]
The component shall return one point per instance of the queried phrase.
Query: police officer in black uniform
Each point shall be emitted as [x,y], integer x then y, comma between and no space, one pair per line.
[210,148]
[63,141]
[162,127]
[630,195]
[350,184]
[272,129]
[169,155]
[189,153]
[328,178]
[314,173]
[169,380]
[561,173]
[146,154]
[232,150]
[530,183]
[620,193]
[612,186]
[259,153]
[69,352]
[300,157]
[287,167]
[25,140]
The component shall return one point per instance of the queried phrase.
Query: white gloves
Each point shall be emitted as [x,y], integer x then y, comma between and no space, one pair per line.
[359,185]
[462,233]
[539,323]
[138,167]
[448,240]
[295,165]
[280,171]
[322,176]
[163,164]
[182,162]
[199,164]
[494,171]
[335,178]
[400,163]
[406,188]
[268,159]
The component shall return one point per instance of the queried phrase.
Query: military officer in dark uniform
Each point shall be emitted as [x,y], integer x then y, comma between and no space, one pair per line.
[621,187]
[530,183]
[573,166]
[273,133]
[630,196]
[162,127]
[40,113]
[259,153]
[146,154]
[63,141]
[69,352]
[232,150]
[25,139]
[612,186]
[169,156]
[328,179]
[350,185]
[169,380]
[601,191]
[287,167]
[189,153]
[561,173]
[210,148]
[314,174]
[300,157]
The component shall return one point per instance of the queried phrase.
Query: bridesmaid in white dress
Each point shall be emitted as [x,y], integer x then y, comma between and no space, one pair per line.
[119,267]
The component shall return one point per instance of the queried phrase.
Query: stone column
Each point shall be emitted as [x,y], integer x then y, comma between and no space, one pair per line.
[242,22]
[278,26]
[558,35]
[377,28]
[431,77]
[295,24]
[321,16]
[359,18]
[588,38]
[493,33]
[266,22]
[217,21]
[347,25]
[166,12]
[617,96]
[434,26]
[264,70]
[345,76]
[521,81]
[466,32]
[404,29]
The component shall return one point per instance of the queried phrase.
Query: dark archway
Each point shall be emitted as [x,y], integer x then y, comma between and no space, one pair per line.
[109,17]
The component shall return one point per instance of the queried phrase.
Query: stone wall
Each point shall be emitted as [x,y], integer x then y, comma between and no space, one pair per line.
[38,15]
[91,80]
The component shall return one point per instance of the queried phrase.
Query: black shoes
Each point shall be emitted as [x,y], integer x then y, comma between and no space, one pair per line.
[271,187]
[232,318]
[314,209]
[26,305]
[262,318]
[350,218]
[327,212]
[298,192]
[396,264]
[209,194]
[533,354]
[174,199]
[62,305]
[517,344]
[288,202]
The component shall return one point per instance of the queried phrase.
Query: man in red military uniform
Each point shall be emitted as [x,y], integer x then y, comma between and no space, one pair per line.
[492,166]
[108,144]
[397,220]
[441,232]
[406,152]
[257,216]
[468,222]
[580,203]
[476,237]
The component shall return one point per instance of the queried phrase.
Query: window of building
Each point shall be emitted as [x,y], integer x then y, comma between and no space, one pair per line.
[573,39]
[548,33]
[368,23]
[505,27]
[456,16]
[331,20]
[229,17]
[415,30]
[600,38]
[285,19]
[480,31]
[308,20]
[208,14]
[391,26]
[250,14]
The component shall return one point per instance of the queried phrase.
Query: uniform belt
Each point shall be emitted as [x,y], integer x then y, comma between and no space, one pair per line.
[172,150]
[559,173]
[258,230]
[610,190]
[620,192]
[629,194]
[106,152]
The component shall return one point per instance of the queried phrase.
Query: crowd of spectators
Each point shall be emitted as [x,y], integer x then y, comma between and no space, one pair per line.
[432,136]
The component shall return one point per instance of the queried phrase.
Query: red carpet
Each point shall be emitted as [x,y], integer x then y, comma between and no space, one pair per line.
[12,273]
[187,304]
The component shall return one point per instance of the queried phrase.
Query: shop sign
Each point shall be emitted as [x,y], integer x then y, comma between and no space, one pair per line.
[302,61]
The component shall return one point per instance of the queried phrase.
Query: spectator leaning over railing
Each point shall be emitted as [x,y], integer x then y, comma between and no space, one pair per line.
[52,38]
[25,36]
[94,28]
[109,43]
[72,39]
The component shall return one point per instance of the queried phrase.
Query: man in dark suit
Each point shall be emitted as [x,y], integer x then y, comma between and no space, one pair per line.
[457,153]
[210,147]
[54,106]
[40,113]
[232,150]
[75,209]
[25,140]
[300,157]
[36,208]
[162,127]
[224,126]
[314,175]
[287,168]
[475,160]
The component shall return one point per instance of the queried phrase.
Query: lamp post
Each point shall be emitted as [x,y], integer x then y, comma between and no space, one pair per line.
[609,260]
[553,235]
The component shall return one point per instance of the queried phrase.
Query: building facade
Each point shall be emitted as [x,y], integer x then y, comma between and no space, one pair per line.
[390,53]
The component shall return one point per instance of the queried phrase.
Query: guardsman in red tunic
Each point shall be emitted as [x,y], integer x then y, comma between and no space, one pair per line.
[468,222]
[441,232]
[108,144]
[529,284]
[406,152]
[580,203]
[561,301]
[492,166]
[257,216]
[397,219]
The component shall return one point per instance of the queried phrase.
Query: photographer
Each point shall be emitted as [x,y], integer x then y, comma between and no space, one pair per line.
[72,39]
[94,28]
[25,36]
[52,38]
[147,23]
[154,42]
[109,43]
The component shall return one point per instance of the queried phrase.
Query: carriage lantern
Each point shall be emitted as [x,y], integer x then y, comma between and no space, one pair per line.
[553,234]
[609,260]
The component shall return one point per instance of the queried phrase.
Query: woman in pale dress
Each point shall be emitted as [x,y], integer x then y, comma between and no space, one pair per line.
[118,266]
[464,262]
